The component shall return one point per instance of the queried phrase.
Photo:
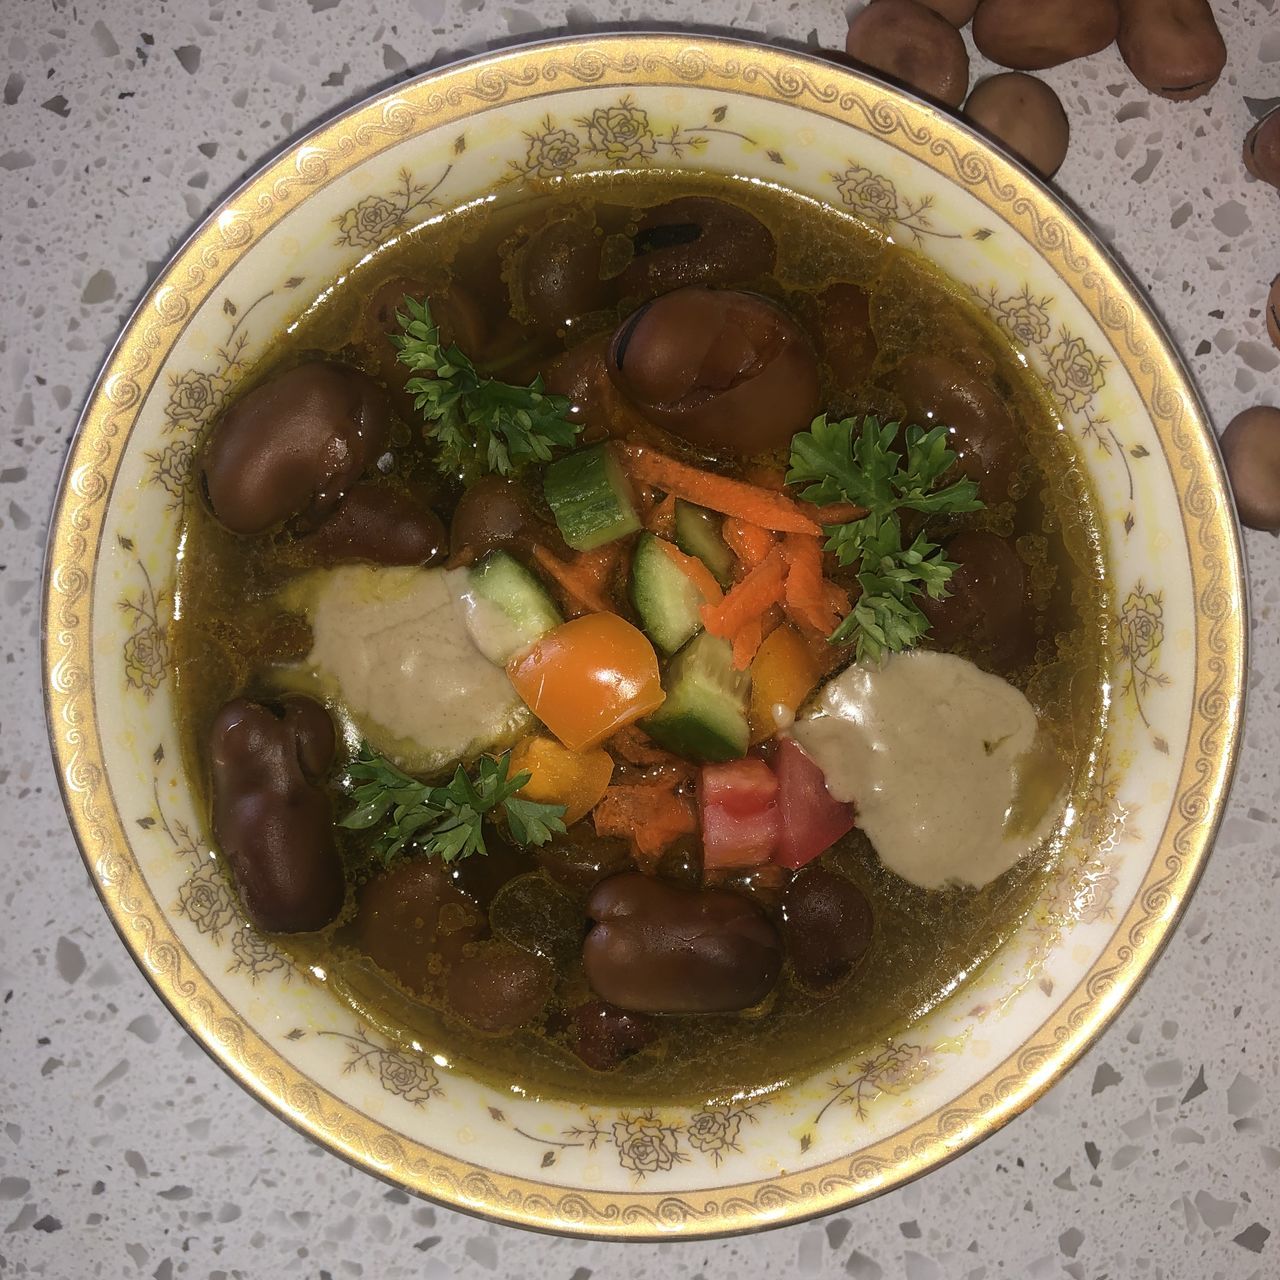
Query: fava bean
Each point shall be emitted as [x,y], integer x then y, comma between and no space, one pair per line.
[1251,451]
[1273,312]
[1262,149]
[956,12]
[497,987]
[271,816]
[604,1036]
[913,44]
[1026,115]
[1173,47]
[1030,35]
[380,525]
[827,926]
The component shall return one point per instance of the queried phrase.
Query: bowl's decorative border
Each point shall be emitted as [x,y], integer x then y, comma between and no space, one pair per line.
[622,62]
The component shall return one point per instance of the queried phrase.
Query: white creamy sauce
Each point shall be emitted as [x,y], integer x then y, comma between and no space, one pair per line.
[944,762]
[392,645]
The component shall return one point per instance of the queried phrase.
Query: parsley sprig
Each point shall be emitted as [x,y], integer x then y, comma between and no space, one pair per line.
[447,821]
[480,423]
[847,462]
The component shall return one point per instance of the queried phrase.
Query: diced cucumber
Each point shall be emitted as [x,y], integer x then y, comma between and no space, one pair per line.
[664,596]
[698,534]
[590,498]
[506,607]
[705,715]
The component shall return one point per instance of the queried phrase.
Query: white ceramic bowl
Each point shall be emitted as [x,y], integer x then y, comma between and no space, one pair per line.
[1176,589]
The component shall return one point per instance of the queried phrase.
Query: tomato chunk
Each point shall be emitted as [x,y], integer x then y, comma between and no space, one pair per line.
[739,810]
[812,820]
[588,678]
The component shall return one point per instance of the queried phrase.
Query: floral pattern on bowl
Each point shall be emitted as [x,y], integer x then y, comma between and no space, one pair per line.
[530,116]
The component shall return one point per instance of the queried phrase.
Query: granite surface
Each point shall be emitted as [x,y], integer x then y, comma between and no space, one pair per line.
[125,1152]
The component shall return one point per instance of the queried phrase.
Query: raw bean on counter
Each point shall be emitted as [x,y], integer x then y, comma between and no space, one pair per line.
[272,818]
[1251,450]
[1273,312]
[1026,115]
[1030,35]
[1173,47]
[1262,149]
[911,43]
[956,12]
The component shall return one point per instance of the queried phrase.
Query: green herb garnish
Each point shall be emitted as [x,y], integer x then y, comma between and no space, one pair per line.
[448,821]
[838,462]
[480,424]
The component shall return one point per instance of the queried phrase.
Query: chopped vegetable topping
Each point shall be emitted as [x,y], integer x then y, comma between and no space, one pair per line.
[812,820]
[583,581]
[480,424]
[738,805]
[575,780]
[783,674]
[650,815]
[837,462]
[446,822]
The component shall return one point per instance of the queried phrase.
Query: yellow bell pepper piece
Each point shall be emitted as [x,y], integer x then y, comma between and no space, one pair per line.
[784,672]
[575,779]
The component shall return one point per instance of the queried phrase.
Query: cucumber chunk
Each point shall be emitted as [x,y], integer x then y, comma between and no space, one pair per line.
[665,598]
[506,607]
[698,534]
[590,498]
[705,715]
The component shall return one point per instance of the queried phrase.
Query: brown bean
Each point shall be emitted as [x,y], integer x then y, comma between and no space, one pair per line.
[844,330]
[956,12]
[913,44]
[538,916]
[1026,115]
[604,1036]
[1273,312]
[990,604]
[1030,35]
[659,949]
[937,390]
[696,240]
[497,512]
[582,862]
[827,926]
[498,988]
[413,922]
[1262,149]
[380,525]
[272,818]
[723,369]
[1251,451]
[294,445]
[582,374]
[1173,47]
[558,273]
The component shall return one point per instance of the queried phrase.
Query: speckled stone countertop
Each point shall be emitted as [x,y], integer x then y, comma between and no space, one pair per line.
[125,1152]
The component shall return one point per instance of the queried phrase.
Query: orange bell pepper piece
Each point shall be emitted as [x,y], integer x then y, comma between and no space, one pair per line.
[575,779]
[784,672]
[587,678]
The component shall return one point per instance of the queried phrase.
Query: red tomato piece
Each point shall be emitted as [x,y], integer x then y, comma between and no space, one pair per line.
[812,820]
[739,810]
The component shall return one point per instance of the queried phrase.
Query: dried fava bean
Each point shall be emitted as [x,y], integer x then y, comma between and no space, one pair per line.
[496,512]
[558,272]
[1251,451]
[413,922]
[582,863]
[380,525]
[603,1036]
[497,987]
[956,12]
[725,370]
[827,926]
[911,43]
[696,240]
[1273,312]
[990,603]
[937,390]
[1262,149]
[658,949]
[844,330]
[1030,35]
[1026,115]
[272,818]
[1173,47]
[293,446]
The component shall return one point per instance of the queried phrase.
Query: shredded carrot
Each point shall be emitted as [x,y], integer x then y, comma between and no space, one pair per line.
[694,570]
[582,581]
[651,817]
[719,493]
[662,517]
[746,641]
[767,476]
[749,599]
[833,512]
[809,598]
[749,542]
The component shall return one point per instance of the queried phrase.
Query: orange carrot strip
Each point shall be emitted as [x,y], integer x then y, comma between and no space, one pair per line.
[808,597]
[694,570]
[651,817]
[719,493]
[662,517]
[580,584]
[746,641]
[749,599]
[833,512]
[749,542]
